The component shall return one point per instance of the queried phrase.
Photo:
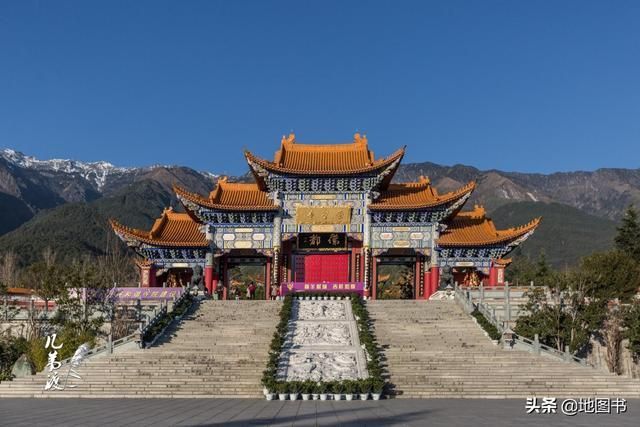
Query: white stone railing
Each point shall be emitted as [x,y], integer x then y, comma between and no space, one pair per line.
[509,338]
[158,315]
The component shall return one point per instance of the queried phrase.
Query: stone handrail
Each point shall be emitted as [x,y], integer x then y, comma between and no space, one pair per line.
[516,341]
[108,347]
[158,315]
[536,347]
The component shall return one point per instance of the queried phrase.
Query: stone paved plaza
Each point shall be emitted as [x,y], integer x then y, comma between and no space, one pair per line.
[241,412]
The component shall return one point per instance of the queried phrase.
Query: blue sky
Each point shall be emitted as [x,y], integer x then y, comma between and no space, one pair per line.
[514,85]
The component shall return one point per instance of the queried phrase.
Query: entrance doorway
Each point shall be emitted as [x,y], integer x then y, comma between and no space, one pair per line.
[241,272]
[395,280]
[319,268]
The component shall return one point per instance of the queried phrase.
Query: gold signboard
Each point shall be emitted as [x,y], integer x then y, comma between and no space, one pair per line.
[323,215]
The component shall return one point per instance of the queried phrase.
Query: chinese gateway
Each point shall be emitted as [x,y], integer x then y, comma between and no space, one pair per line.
[324,218]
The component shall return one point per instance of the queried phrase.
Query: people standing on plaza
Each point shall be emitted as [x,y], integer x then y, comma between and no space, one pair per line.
[274,292]
[252,291]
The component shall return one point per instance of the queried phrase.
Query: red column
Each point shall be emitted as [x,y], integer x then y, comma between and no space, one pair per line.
[208,278]
[427,284]
[225,281]
[215,278]
[374,277]
[416,278]
[435,279]
[267,278]
[493,276]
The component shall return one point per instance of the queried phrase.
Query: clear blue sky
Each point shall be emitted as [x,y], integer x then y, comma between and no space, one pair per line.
[514,85]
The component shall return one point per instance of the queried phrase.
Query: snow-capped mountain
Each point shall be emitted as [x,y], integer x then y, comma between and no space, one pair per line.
[96,173]
[29,185]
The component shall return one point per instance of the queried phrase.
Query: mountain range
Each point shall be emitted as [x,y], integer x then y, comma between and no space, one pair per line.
[65,204]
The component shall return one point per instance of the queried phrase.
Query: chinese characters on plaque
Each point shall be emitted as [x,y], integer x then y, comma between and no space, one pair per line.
[323,215]
[322,241]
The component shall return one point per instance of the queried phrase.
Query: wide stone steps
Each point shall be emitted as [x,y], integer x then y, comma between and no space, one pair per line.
[218,350]
[434,349]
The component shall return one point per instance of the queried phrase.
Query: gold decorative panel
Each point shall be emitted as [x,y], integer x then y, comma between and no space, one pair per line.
[323,215]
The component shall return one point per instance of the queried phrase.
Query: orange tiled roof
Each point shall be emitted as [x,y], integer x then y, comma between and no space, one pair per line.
[324,159]
[231,196]
[20,291]
[171,229]
[473,228]
[416,195]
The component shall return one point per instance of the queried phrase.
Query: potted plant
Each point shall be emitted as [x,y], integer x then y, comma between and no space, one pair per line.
[294,389]
[281,389]
[307,389]
[349,389]
[336,389]
[323,391]
[377,387]
[315,394]
[268,387]
[364,387]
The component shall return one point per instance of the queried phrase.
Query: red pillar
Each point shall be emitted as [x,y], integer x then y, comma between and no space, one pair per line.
[352,263]
[225,281]
[435,279]
[267,278]
[416,278]
[208,278]
[493,276]
[374,277]
[427,284]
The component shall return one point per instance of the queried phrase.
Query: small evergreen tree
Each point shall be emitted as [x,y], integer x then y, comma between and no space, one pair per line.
[563,314]
[521,271]
[543,273]
[632,329]
[613,274]
[628,238]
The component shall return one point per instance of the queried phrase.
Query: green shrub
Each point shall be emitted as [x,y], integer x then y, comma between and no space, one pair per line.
[308,386]
[493,332]
[38,355]
[349,386]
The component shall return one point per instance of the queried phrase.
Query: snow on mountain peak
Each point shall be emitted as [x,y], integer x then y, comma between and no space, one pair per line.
[94,172]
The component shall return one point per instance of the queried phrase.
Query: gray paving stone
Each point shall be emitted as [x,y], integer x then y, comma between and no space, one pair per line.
[253,412]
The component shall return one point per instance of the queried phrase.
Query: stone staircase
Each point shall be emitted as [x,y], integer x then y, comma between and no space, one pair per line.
[218,350]
[433,349]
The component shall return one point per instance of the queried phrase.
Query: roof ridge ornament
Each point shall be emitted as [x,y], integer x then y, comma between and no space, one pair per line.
[479,211]
[288,139]
[360,139]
